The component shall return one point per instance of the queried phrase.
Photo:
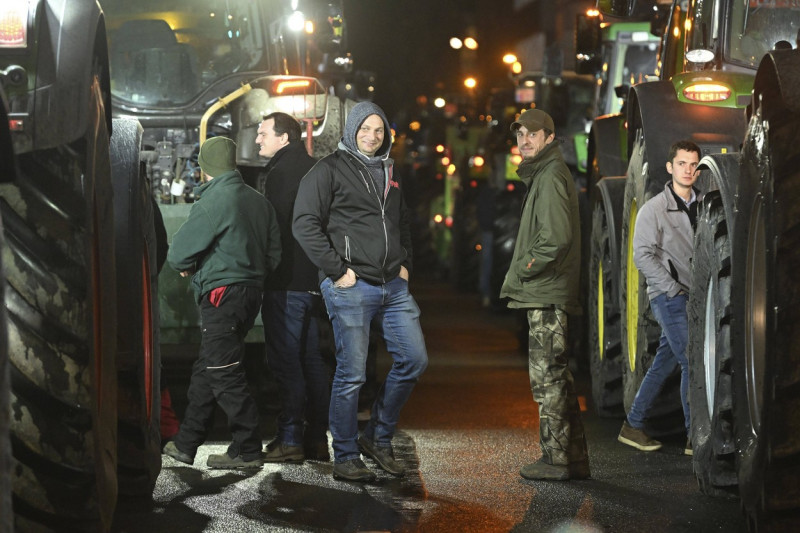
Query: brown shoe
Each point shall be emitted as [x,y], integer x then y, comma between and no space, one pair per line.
[280,452]
[637,438]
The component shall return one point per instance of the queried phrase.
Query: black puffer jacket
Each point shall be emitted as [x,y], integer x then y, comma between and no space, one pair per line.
[341,220]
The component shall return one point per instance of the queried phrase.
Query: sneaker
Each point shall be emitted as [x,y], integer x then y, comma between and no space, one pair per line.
[317,451]
[383,455]
[173,451]
[280,452]
[352,470]
[225,461]
[637,438]
[688,449]
[543,471]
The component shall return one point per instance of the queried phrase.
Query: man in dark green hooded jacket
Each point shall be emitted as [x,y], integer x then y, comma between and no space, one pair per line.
[228,245]
[543,279]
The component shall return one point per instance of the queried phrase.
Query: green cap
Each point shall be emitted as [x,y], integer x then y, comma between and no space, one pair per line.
[534,120]
[217,156]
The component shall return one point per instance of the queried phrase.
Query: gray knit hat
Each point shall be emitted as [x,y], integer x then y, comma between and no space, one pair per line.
[356,117]
[217,156]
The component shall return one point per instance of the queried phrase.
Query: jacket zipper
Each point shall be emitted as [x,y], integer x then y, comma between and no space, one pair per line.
[382,205]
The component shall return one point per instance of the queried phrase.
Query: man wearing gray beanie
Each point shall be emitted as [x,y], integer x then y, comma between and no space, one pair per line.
[228,245]
[350,218]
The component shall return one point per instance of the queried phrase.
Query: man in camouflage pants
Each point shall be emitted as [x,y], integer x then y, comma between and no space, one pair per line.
[543,279]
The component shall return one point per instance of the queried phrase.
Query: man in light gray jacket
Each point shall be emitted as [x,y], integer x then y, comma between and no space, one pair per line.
[662,251]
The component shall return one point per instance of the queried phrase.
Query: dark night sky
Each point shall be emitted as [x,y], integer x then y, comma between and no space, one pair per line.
[405,43]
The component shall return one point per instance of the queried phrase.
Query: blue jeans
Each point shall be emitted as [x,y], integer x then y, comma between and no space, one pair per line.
[671,316]
[351,310]
[291,334]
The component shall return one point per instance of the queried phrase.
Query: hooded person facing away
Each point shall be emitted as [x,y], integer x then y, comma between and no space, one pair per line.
[350,218]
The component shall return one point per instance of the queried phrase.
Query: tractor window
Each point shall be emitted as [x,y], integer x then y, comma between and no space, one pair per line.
[758,26]
[703,38]
[166,54]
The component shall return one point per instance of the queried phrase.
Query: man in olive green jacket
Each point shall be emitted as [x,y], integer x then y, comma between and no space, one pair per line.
[229,244]
[543,279]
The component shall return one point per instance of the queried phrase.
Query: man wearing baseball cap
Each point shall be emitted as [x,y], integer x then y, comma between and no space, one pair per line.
[228,245]
[543,279]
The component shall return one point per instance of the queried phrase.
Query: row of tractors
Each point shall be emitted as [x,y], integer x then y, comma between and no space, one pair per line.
[723,74]
[726,79]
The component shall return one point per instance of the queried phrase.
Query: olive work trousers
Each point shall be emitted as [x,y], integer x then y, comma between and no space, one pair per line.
[560,428]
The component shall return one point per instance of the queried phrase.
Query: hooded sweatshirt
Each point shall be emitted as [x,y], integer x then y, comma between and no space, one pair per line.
[350,212]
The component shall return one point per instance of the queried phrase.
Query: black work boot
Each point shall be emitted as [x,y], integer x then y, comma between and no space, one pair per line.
[352,470]
[383,455]
[225,461]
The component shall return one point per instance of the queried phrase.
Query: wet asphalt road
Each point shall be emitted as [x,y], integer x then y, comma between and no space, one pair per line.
[467,429]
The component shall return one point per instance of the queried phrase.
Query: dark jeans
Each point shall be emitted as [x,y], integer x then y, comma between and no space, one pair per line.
[671,354]
[351,310]
[218,375]
[291,333]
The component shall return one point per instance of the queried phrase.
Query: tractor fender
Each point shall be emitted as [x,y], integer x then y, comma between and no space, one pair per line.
[653,108]
[611,191]
[721,172]
[71,36]
[610,146]
[776,83]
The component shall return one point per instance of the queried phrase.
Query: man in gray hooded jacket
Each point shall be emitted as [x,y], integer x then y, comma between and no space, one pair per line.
[350,219]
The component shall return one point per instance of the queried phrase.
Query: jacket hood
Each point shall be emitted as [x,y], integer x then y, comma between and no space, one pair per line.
[355,118]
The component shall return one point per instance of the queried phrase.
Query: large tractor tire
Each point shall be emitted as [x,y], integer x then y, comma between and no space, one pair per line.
[709,349]
[603,313]
[7,174]
[60,296]
[138,361]
[767,302]
[640,331]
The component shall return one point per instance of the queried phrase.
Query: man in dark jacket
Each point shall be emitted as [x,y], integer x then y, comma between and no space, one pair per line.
[351,220]
[291,305]
[229,244]
[543,279]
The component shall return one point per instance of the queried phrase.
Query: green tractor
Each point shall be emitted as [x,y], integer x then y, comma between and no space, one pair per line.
[195,69]
[619,54]
[79,357]
[727,81]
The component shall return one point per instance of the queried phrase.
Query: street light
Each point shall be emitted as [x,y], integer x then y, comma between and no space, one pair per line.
[471,43]
[470,83]
[509,59]
[456,43]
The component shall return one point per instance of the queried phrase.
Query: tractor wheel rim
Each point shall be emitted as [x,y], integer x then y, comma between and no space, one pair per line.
[632,292]
[601,319]
[710,349]
[755,309]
